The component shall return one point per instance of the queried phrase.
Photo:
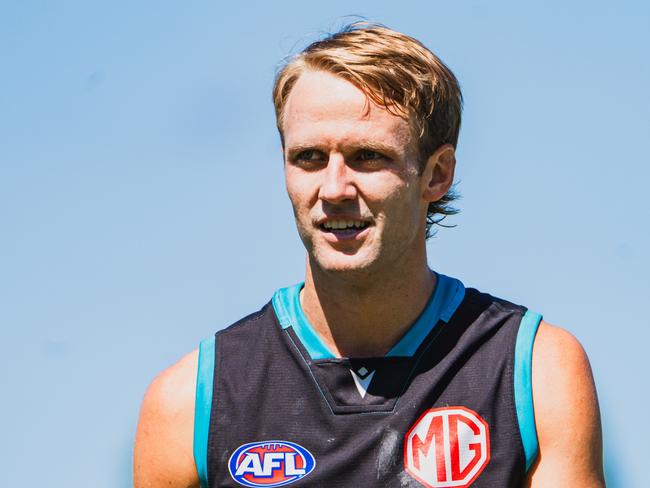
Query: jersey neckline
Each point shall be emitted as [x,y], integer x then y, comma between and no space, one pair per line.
[442,305]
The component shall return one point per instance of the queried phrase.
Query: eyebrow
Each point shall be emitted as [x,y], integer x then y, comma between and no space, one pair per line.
[377,146]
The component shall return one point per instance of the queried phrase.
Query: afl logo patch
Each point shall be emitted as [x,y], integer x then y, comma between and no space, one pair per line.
[447,447]
[270,463]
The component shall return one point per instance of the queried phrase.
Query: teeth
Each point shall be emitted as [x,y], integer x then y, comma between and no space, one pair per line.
[344,224]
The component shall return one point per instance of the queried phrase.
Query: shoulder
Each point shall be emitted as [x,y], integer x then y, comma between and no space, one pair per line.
[163,447]
[175,380]
[561,373]
[567,417]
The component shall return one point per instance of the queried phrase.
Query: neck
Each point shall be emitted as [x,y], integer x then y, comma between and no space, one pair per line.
[365,317]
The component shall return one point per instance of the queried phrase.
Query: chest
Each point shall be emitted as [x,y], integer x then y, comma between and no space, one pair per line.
[442,417]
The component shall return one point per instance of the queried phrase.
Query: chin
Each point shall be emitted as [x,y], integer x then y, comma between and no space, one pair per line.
[345,264]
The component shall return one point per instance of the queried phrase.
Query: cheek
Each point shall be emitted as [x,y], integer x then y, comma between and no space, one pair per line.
[393,193]
[292,185]
[299,196]
[291,193]
[302,186]
[401,206]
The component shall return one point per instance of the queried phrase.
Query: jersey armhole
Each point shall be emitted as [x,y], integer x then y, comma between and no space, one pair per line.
[523,385]
[203,407]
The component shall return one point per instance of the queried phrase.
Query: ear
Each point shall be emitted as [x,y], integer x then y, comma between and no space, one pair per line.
[438,174]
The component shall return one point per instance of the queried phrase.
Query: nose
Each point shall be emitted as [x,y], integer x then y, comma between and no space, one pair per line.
[337,184]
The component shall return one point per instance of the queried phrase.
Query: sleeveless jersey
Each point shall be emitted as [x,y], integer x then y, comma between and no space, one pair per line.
[450,405]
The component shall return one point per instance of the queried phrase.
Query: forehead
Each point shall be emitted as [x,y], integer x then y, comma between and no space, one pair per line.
[325,109]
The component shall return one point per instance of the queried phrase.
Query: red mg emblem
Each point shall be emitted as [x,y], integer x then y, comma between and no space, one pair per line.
[447,447]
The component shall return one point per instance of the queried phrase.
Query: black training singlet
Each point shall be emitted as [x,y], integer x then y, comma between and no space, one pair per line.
[450,405]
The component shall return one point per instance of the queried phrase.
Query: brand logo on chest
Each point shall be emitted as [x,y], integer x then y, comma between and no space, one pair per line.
[270,463]
[447,447]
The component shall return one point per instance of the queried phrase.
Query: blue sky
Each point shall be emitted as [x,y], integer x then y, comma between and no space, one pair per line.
[142,203]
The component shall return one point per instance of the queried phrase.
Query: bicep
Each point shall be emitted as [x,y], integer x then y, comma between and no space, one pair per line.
[567,417]
[162,454]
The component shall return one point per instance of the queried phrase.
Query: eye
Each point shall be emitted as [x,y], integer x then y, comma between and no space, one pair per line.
[368,155]
[308,158]
[369,160]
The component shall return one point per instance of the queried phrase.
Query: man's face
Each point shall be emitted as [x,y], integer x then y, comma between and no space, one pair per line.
[352,176]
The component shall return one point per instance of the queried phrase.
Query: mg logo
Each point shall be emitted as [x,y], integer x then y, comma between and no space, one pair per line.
[447,447]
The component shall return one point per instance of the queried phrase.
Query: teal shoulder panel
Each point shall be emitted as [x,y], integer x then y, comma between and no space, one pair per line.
[203,407]
[523,384]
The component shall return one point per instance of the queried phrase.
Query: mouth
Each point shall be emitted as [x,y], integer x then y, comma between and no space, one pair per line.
[344,229]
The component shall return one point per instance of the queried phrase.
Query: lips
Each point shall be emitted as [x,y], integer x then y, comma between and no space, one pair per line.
[341,224]
[344,228]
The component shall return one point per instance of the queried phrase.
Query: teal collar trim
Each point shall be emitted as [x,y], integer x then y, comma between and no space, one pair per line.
[444,301]
[286,303]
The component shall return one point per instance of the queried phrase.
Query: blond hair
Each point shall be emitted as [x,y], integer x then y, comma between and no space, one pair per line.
[394,71]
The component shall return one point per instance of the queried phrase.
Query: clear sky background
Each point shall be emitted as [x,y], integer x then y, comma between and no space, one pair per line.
[142,203]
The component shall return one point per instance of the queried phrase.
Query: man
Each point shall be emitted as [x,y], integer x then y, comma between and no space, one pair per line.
[377,371]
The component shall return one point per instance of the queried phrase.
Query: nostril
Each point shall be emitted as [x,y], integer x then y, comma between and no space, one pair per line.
[337,191]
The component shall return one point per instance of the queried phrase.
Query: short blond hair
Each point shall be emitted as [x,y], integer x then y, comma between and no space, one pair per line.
[394,71]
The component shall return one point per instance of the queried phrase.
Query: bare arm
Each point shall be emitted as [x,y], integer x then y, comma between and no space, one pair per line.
[566,413]
[163,453]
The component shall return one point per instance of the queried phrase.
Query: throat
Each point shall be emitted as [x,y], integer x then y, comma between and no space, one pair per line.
[359,323]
